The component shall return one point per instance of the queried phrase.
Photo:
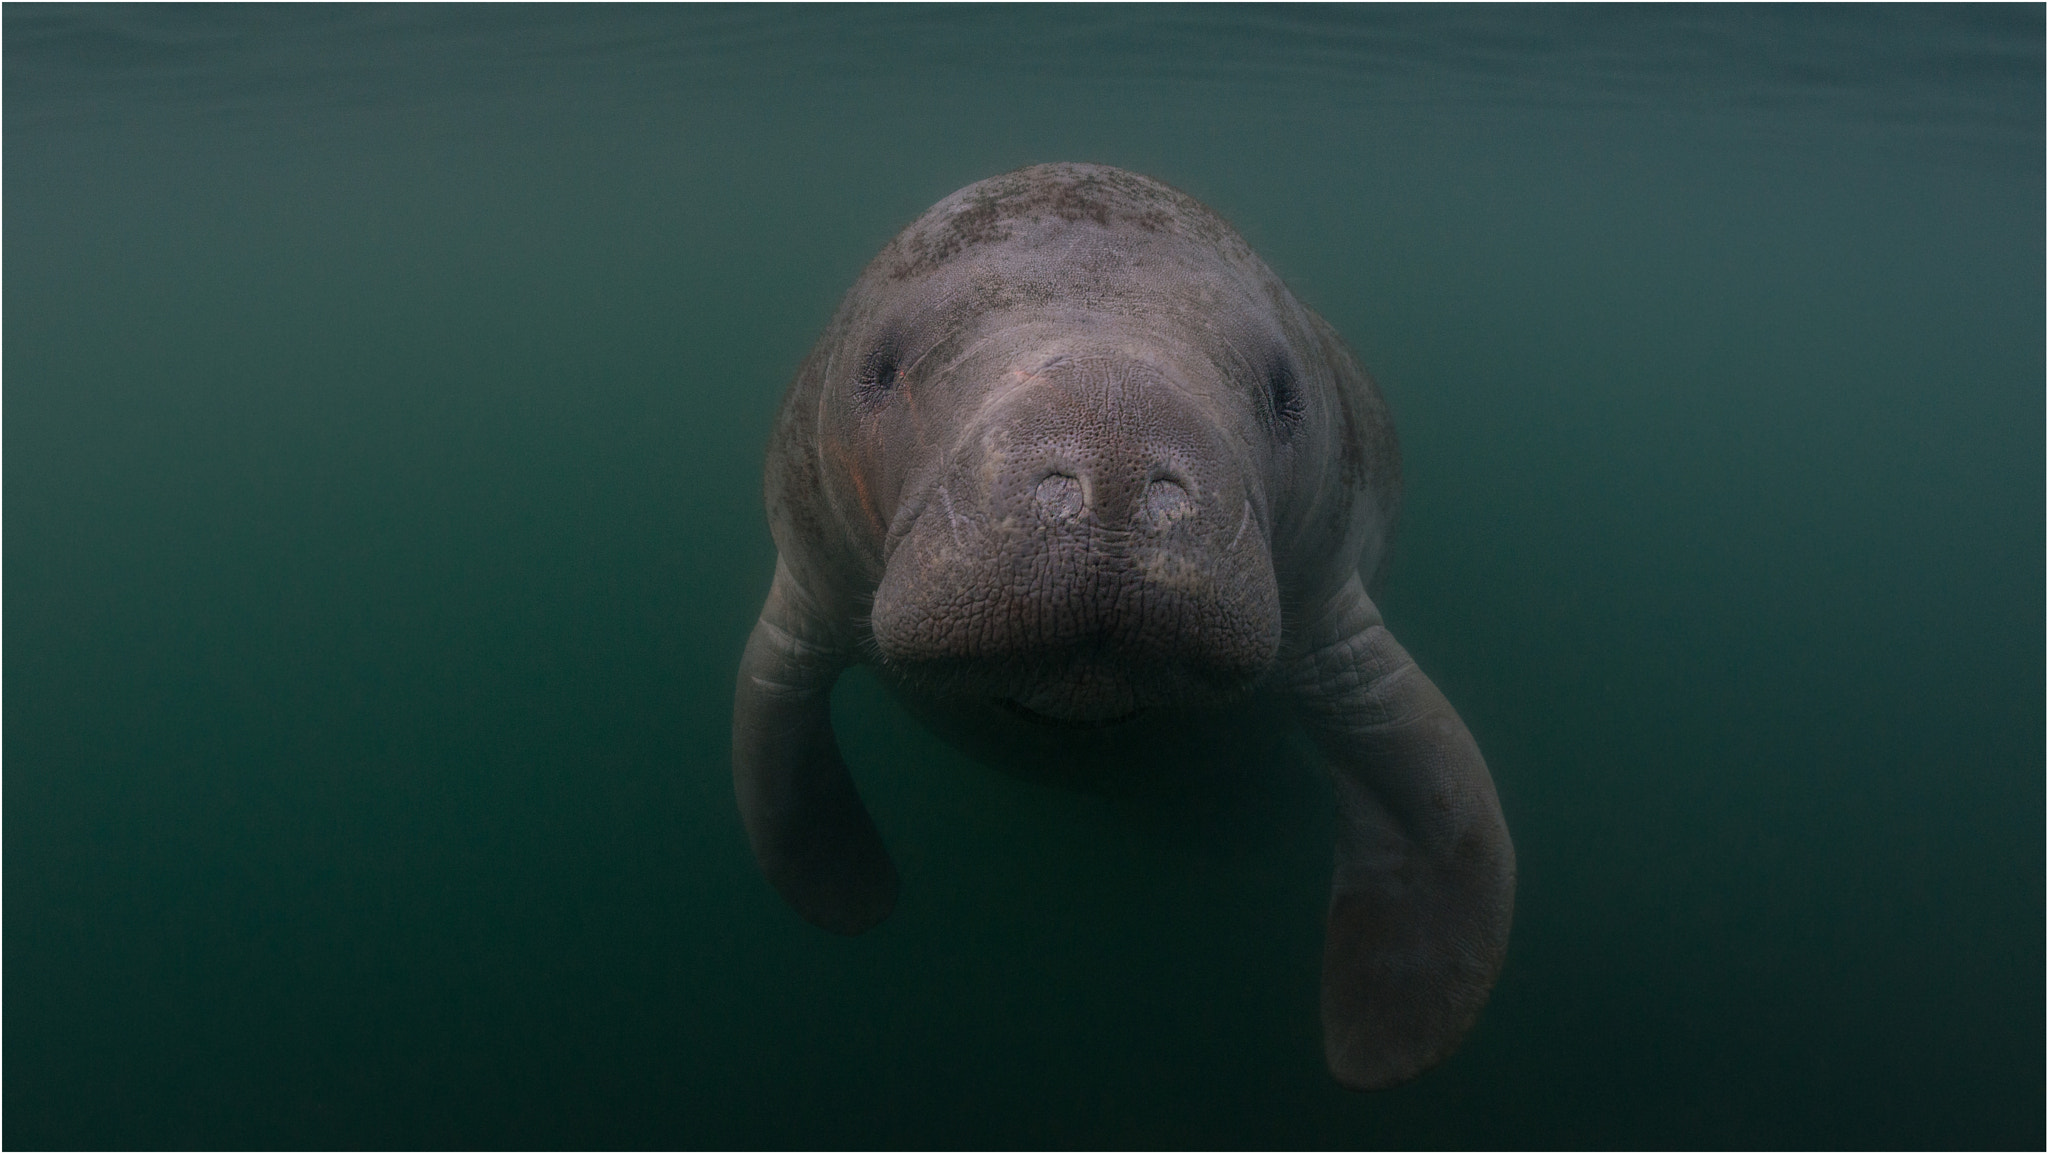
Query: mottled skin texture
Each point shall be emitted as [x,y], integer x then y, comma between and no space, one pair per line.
[1070,456]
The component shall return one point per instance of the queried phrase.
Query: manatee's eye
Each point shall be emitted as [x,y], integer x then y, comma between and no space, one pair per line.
[1283,397]
[878,374]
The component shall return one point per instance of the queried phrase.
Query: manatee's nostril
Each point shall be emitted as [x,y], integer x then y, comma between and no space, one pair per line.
[1166,502]
[1059,497]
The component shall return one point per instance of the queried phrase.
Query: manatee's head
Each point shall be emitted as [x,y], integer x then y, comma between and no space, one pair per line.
[1068,418]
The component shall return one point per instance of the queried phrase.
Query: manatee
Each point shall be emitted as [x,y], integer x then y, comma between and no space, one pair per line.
[1068,459]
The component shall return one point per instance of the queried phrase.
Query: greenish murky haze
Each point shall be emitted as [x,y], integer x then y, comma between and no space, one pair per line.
[385,392]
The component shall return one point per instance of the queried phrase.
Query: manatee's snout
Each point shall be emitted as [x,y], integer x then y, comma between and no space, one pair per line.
[1092,546]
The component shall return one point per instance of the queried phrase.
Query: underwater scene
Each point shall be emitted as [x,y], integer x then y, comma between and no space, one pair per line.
[387,391]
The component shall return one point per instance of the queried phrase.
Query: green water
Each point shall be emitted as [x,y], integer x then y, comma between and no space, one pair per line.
[385,393]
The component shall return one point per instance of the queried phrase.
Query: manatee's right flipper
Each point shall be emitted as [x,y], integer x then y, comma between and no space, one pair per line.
[1425,881]
[810,832]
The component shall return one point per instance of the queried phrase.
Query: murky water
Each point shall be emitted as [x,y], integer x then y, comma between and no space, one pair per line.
[385,392]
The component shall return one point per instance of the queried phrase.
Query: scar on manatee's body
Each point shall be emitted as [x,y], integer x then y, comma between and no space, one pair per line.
[846,463]
[1242,521]
[952,518]
[909,397]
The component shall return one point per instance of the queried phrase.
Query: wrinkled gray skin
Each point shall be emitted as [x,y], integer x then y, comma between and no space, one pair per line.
[1070,455]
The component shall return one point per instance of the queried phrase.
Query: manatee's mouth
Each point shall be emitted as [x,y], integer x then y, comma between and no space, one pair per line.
[1046,719]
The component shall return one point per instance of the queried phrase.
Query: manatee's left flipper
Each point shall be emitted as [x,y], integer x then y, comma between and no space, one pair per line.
[1425,879]
[809,830]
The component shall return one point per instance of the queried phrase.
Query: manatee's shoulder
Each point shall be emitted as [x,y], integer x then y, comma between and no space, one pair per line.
[1003,207]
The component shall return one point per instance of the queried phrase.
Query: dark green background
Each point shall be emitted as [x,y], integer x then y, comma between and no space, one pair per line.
[385,391]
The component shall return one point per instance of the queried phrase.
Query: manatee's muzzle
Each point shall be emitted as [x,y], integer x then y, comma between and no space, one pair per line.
[1093,549]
